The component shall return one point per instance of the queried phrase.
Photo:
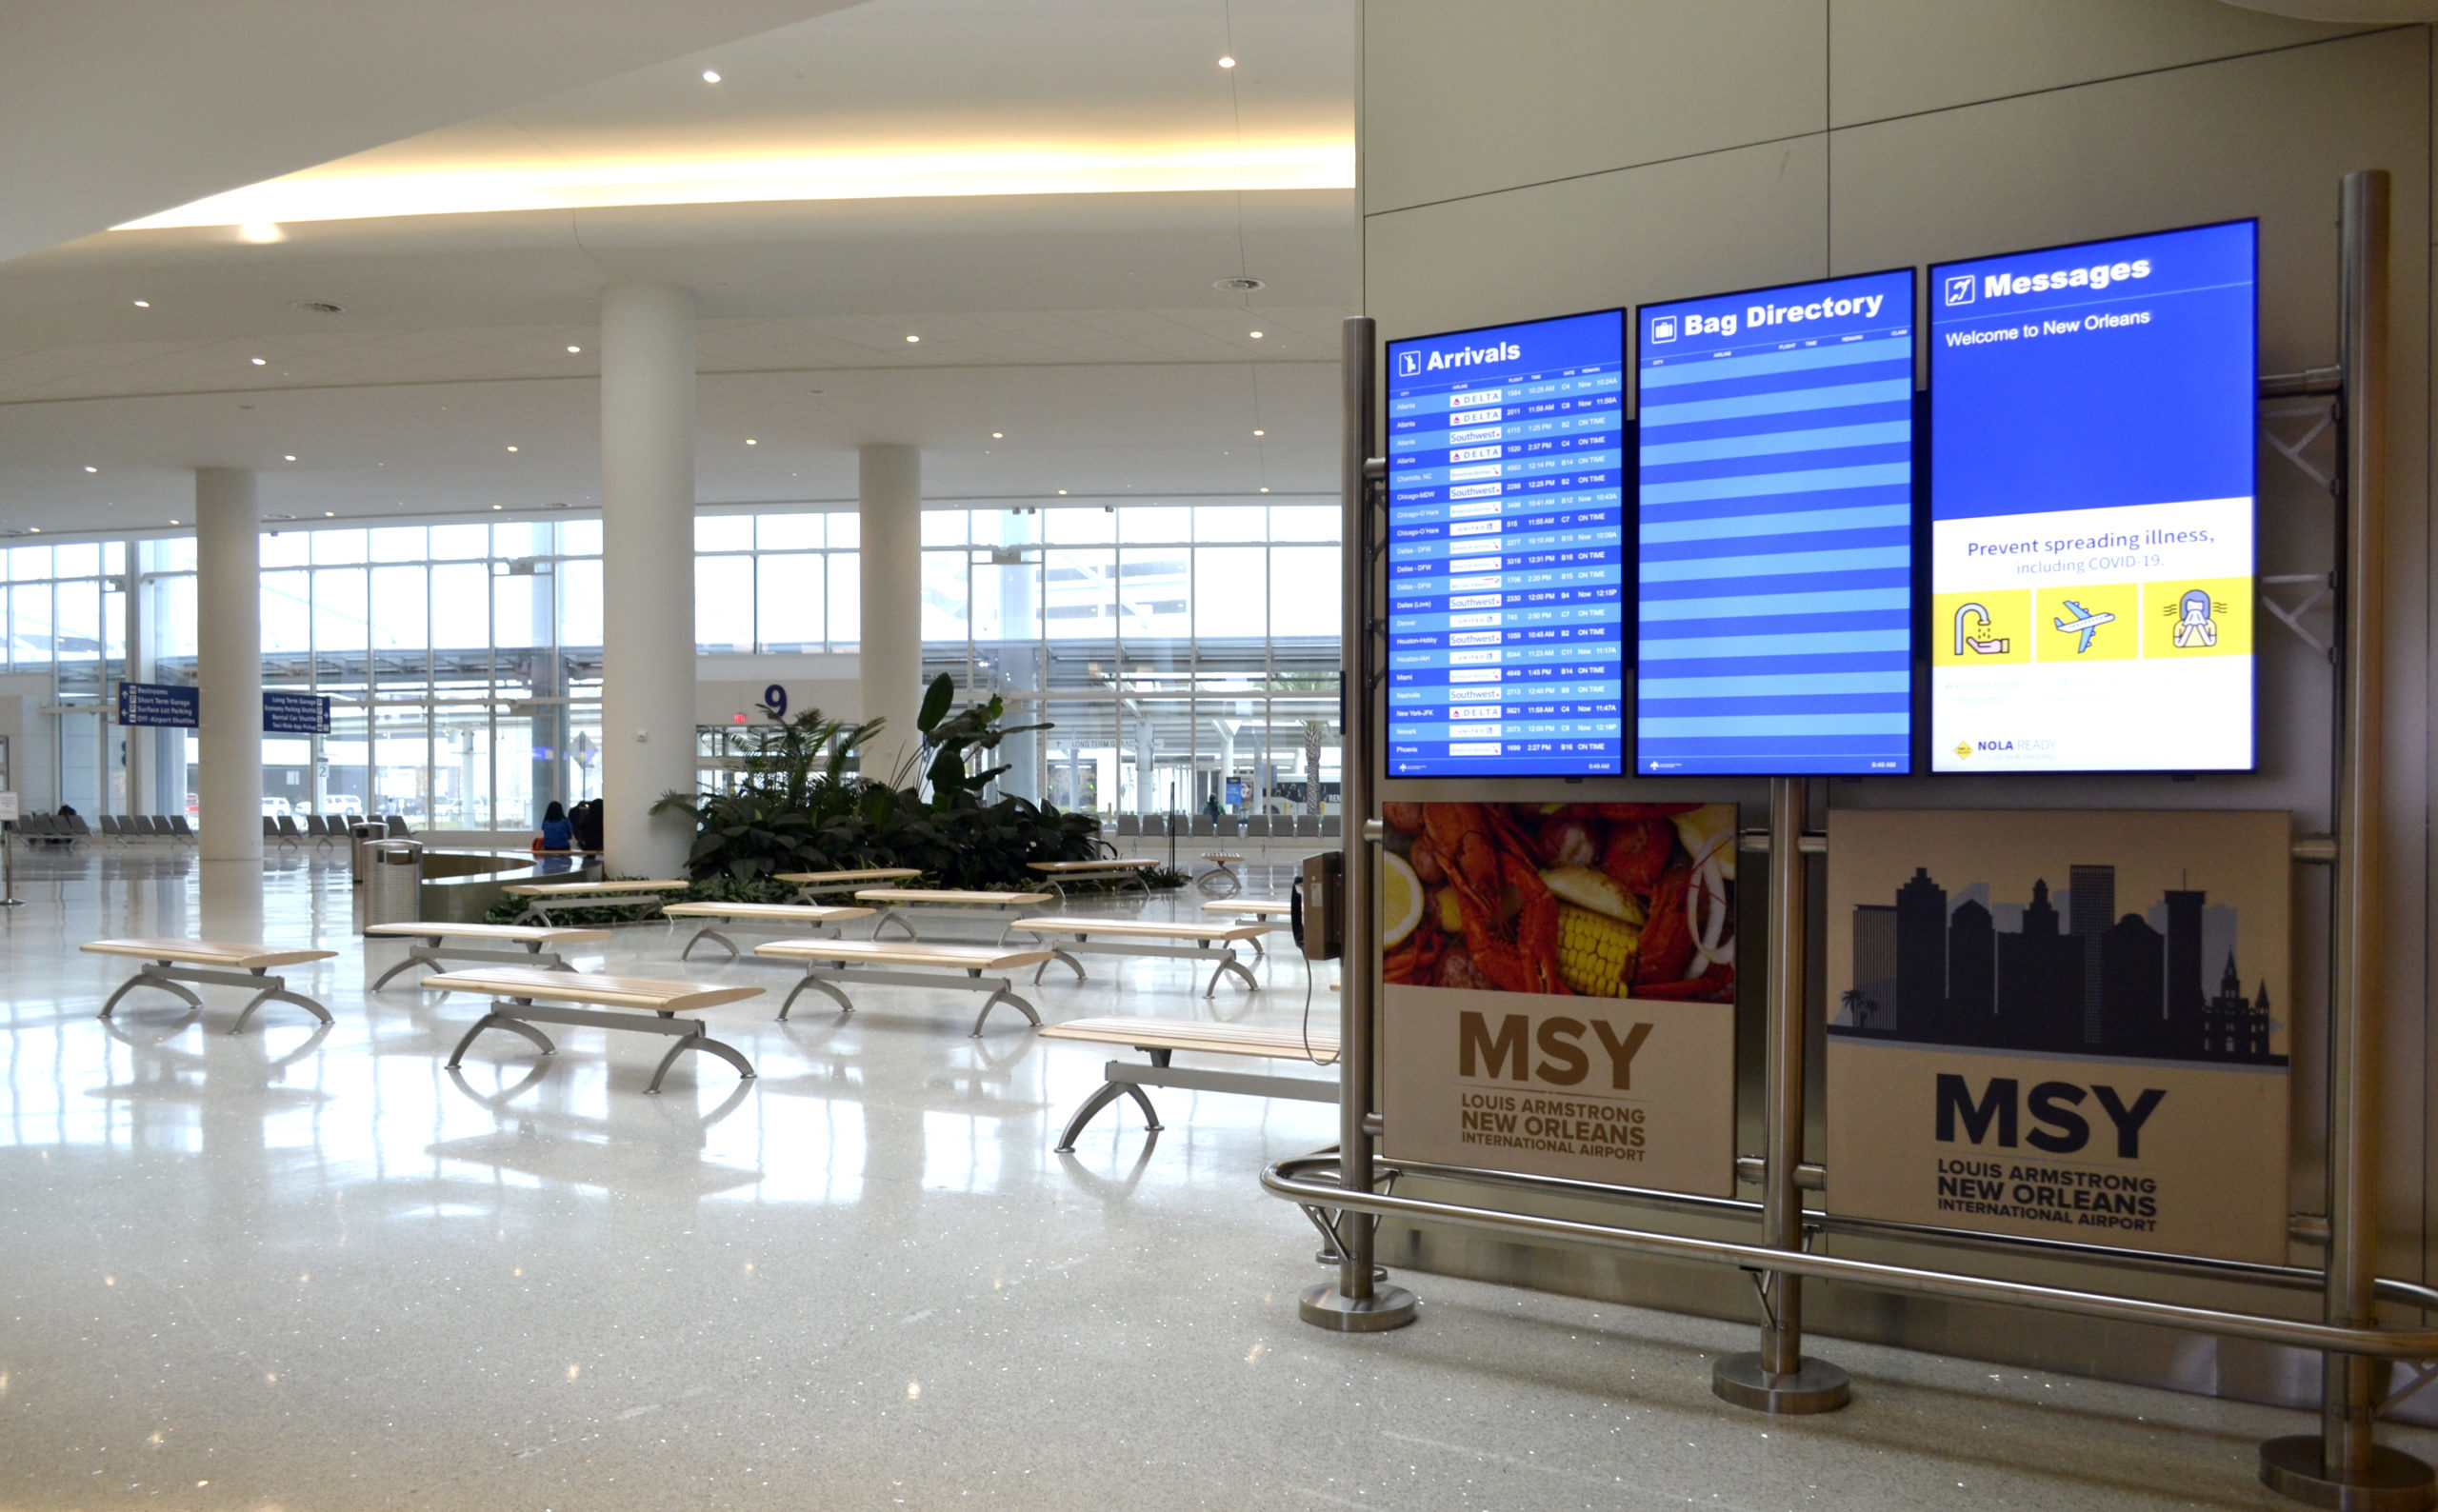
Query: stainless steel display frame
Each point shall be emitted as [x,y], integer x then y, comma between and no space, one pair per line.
[2343,1465]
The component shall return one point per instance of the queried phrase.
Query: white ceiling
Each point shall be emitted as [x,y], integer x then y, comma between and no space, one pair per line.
[1084,325]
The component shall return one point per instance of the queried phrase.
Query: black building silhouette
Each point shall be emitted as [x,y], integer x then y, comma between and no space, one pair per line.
[2121,988]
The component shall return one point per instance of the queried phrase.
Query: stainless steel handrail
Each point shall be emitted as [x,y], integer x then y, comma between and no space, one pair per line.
[1282,1180]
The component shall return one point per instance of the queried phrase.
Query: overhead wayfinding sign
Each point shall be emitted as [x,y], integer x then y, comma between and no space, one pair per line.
[2092,443]
[1506,551]
[160,704]
[1776,531]
[296,714]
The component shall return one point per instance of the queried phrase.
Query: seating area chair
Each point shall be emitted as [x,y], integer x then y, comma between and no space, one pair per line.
[1257,827]
[111,829]
[1203,827]
[1308,826]
[397,823]
[1332,827]
[1129,826]
[180,829]
[1225,828]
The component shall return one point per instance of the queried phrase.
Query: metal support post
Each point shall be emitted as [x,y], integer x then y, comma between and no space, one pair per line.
[1777,1377]
[1355,1303]
[2345,1466]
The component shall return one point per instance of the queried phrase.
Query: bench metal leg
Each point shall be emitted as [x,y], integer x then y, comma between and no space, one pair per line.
[416,955]
[1061,957]
[699,1041]
[1005,993]
[707,932]
[1106,1094]
[814,980]
[1227,962]
[275,990]
[496,1020]
[145,978]
[894,918]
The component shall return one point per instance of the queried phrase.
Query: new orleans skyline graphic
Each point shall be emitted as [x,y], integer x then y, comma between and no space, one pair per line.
[1928,971]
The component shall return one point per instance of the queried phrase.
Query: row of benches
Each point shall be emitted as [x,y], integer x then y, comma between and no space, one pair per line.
[534,983]
[1227,827]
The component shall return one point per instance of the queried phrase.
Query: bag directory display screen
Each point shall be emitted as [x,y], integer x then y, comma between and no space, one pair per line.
[2091,501]
[1775,531]
[1506,551]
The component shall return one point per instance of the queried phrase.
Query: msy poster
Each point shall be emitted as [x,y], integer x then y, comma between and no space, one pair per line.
[1560,990]
[2067,1025]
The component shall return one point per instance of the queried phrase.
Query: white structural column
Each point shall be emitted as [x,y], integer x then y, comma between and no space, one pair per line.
[646,574]
[890,647]
[228,665]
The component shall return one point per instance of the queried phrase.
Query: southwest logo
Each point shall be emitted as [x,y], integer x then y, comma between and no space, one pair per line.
[1664,328]
[1959,289]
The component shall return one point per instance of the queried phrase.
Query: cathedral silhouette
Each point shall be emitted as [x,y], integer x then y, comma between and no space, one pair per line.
[2091,984]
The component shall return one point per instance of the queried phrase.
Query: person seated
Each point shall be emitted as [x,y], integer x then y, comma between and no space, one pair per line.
[557,834]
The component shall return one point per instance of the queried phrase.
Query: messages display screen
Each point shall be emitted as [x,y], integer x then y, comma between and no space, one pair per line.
[2092,479]
[1775,531]
[1506,551]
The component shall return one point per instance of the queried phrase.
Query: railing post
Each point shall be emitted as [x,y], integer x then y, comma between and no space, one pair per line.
[1777,1377]
[1355,1303]
[2345,1466]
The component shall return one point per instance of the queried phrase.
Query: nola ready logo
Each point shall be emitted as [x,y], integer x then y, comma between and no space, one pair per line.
[1959,289]
[1408,365]
[1663,328]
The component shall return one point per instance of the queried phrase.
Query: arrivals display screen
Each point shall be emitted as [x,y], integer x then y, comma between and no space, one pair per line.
[1775,530]
[1506,551]
[2092,482]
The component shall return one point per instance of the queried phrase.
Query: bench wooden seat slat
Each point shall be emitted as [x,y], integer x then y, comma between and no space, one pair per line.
[906,953]
[520,933]
[1189,1034]
[1113,865]
[1260,906]
[571,986]
[776,912]
[221,954]
[1141,929]
[593,889]
[801,879]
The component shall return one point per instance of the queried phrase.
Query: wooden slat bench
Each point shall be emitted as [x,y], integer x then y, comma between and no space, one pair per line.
[828,961]
[1213,943]
[535,940]
[541,897]
[897,906]
[811,886]
[822,920]
[1160,1039]
[522,997]
[1056,874]
[210,963]
[1222,865]
[1270,913]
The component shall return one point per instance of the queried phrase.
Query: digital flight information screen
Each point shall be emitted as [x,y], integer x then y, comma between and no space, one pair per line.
[1775,531]
[1506,551]
[2092,465]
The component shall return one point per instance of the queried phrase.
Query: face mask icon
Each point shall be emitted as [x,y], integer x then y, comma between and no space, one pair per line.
[1959,289]
[2194,628]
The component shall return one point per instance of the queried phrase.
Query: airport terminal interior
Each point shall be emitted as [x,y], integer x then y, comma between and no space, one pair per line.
[1218,753]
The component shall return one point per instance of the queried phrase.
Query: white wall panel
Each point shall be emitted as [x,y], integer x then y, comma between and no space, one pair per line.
[1460,97]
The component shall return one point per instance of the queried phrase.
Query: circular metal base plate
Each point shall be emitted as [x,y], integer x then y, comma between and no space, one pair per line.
[1387,1308]
[1819,1386]
[2397,1482]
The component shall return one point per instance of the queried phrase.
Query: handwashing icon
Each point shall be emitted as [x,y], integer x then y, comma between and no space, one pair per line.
[1965,638]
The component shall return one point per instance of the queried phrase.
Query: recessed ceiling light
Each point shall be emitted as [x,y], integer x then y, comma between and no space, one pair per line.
[1256,335]
[499,506]
[575,348]
[751,441]
[711,75]
[37,529]
[998,435]
[1261,433]
[291,455]
[1239,285]
[913,338]
[511,448]
[329,514]
[1062,492]
[1264,491]
[258,360]
[144,304]
[92,470]
[175,522]
[1226,63]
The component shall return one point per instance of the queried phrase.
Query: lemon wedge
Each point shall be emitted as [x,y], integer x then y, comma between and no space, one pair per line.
[1400,899]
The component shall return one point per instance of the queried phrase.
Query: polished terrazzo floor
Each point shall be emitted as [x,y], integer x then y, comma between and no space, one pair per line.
[317,1272]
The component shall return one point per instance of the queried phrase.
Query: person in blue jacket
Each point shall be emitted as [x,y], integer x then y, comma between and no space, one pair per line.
[557,834]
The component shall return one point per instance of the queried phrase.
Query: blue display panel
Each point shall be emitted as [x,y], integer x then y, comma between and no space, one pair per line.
[1775,531]
[1506,551]
[2092,451]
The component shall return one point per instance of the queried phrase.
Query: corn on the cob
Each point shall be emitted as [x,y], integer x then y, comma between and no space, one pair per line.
[1595,953]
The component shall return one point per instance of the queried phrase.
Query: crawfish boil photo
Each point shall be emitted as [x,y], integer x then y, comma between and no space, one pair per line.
[1594,899]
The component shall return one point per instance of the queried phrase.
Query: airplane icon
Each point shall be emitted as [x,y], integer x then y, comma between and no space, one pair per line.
[2085,621]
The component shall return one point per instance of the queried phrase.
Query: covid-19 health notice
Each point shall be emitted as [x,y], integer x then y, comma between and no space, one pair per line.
[1775,525]
[1506,551]
[2092,497]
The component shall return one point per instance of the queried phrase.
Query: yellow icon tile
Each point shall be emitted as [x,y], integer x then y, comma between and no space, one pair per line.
[1986,628]
[2088,622]
[2197,617]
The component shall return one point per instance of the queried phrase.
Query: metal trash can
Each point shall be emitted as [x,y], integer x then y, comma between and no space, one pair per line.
[390,887]
[360,834]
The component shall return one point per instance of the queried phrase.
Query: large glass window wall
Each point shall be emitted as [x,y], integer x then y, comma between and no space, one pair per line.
[1186,653]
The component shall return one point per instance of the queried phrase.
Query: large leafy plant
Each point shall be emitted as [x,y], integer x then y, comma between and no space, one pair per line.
[801,805]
